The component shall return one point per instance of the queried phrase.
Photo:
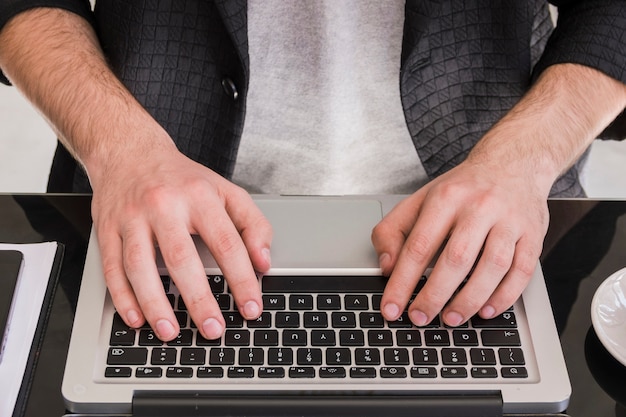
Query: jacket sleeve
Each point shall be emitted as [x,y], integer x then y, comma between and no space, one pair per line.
[590,33]
[11,8]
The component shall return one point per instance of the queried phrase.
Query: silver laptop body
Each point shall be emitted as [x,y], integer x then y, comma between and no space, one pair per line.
[327,238]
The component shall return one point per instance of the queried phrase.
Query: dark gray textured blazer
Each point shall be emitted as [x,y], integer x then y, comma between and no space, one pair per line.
[464,65]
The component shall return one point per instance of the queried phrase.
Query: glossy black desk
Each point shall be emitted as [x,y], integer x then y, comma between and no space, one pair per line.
[586,243]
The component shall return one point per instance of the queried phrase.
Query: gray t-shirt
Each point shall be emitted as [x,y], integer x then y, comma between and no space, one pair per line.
[324,113]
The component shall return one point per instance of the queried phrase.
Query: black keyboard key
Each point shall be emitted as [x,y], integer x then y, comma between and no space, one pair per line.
[241,372]
[179,372]
[332,372]
[425,356]
[251,356]
[423,372]
[210,372]
[149,372]
[264,321]
[408,338]
[287,320]
[371,320]
[380,338]
[484,372]
[511,356]
[315,320]
[367,356]
[396,356]
[328,302]
[436,338]
[266,338]
[351,338]
[163,356]
[216,282]
[343,320]
[309,356]
[280,356]
[166,281]
[149,338]
[273,302]
[453,372]
[465,337]
[224,301]
[182,318]
[122,337]
[338,356]
[118,372]
[300,302]
[356,302]
[184,338]
[271,372]
[362,372]
[201,341]
[127,356]
[453,356]
[500,337]
[192,356]
[482,356]
[301,372]
[294,337]
[323,338]
[233,320]
[392,372]
[514,372]
[239,337]
[222,356]
[504,320]
[376,301]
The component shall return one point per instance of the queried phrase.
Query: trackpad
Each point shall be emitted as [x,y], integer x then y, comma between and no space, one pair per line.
[322,232]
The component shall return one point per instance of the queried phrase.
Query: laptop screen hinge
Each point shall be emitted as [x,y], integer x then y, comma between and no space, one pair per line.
[314,404]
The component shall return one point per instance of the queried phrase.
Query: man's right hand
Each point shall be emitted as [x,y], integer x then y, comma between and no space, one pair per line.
[145,191]
[163,199]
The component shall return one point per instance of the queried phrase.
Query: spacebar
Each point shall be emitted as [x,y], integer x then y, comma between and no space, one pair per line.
[322,284]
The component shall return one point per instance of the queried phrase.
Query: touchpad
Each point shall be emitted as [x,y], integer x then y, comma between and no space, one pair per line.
[322,232]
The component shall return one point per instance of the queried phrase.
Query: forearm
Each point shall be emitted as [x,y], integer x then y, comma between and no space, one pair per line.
[54,58]
[553,124]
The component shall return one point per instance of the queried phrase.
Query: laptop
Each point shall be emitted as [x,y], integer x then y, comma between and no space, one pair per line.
[321,347]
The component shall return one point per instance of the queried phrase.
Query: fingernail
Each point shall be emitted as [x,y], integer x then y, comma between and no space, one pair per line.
[165,330]
[418,318]
[391,311]
[212,328]
[453,318]
[251,310]
[267,256]
[487,312]
[383,261]
[133,318]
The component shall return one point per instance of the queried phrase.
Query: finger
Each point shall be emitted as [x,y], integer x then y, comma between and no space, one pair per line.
[140,267]
[230,253]
[186,269]
[255,230]
[389,235]
[451,268]
[523,267]
[120,289]
[492,266]
[429,232]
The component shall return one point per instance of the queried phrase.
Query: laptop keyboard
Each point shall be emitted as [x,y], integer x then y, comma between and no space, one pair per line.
[318,327]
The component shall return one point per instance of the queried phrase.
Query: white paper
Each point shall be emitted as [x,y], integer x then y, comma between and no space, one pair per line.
[29,296]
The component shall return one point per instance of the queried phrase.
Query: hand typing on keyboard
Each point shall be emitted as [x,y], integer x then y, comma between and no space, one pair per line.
[489,230]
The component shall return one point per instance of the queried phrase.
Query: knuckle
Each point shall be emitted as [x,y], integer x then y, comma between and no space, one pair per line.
[178,255]
[198,301]
[457,255]
[225,244]
[418,248]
